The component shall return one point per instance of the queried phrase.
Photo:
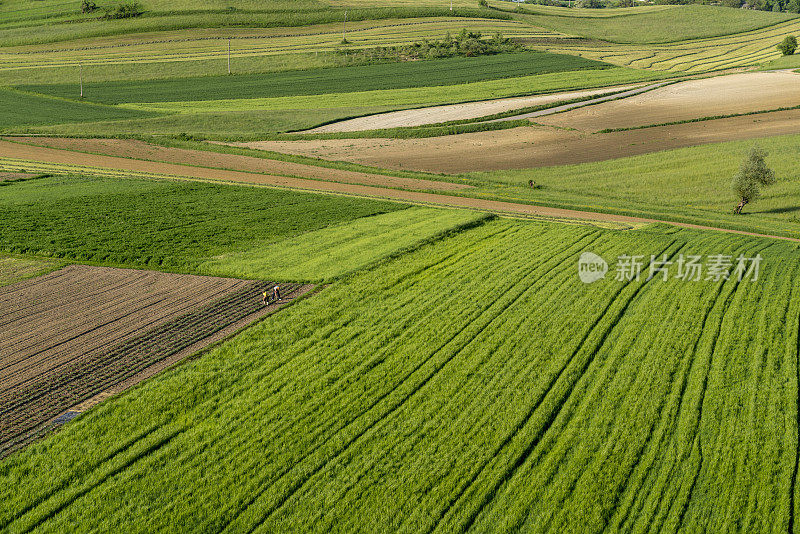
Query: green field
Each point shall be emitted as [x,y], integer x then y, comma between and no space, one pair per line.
[473,385]
[225,125]
[331,252]
[750,48]
[656,26]
[450,71]
[20,10]
[450,372]
[687,184]
[160,224]
[224,230]
[24,109]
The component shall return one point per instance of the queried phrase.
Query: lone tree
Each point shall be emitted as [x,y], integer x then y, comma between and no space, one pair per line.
[751,176]
[788,45]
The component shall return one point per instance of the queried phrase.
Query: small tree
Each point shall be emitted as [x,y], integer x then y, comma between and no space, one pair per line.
[752,174]
[788,45]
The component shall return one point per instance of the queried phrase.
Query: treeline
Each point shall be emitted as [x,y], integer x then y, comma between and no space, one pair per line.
[778,6]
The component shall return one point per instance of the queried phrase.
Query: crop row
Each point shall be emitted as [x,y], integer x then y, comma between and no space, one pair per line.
[449,71]
[257,42]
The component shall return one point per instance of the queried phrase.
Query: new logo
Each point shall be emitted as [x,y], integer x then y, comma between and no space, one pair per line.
[591,268]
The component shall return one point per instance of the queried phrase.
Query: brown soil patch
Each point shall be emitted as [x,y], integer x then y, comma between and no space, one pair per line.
[129,148]
[12,176]
[535,146]
[68,335]
[708,97]
[468,110]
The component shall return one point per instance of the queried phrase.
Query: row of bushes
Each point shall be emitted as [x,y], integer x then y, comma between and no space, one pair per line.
[124,10]
[464,44]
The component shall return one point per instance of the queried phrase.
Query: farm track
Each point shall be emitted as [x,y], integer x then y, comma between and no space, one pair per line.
[30,156]
[31,397]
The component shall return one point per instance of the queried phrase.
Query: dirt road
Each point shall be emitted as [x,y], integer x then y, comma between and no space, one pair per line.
[50,155]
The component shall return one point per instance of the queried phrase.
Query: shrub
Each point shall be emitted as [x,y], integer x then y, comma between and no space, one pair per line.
[125,10]
[88,6]
[788,45]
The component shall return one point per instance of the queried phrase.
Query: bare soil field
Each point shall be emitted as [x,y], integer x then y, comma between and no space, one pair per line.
[692,99]
[139,150]
[71,334]
[468,110]
[535,146]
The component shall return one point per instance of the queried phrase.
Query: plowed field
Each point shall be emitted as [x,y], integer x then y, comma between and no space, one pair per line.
[68,335]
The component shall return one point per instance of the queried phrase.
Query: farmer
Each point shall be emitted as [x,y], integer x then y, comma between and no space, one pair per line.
[264,298]
[276,293]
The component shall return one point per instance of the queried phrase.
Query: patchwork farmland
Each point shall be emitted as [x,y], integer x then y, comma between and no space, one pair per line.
[503,371]
[536,266]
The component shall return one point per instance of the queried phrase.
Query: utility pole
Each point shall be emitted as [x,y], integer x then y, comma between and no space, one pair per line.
[229,55]
[344,27]
[80,68]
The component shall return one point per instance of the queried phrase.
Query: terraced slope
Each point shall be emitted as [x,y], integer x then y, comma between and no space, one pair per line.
[699,55]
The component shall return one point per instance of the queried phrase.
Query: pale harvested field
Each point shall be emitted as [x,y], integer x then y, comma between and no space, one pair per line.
[139,150]
[469,110]
[535,146]
[70,334]
[707,97]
